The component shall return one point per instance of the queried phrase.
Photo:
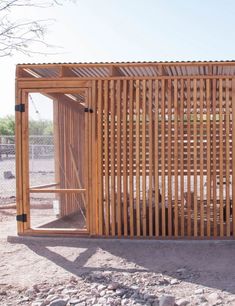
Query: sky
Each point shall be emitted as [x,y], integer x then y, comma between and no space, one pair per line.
[127,30]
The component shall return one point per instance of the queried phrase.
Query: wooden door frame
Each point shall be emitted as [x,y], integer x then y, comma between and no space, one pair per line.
[22,161]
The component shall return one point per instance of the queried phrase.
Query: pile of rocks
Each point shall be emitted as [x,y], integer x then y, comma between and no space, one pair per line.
[116,288]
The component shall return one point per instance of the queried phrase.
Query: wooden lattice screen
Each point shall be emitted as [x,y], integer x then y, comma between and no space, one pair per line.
[165,152]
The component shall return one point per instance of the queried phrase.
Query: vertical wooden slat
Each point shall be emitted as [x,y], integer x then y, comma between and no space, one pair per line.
[214,157]
[19,161]
[113,196]
[163,105]
[195,153]
[100,156]
[208,167]
[65,167]
[106,157]
[150,112]
[233,155]
[182,157]
[89,166]
[176,213]
[201,160]
[119,208]
[221,157]
[56,139]
[189,232]
[25,161]
[169,187]
[138,157]
[143,123]
[94,215]
[227,158]
[125,208]
[156,158]
[131,158]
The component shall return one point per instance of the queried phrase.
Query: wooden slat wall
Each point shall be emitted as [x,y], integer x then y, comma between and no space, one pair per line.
[71,159]
[165,168]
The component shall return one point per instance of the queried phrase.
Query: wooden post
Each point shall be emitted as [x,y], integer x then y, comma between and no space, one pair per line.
[233,155]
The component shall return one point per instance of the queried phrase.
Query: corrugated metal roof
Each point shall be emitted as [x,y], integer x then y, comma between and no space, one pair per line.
[127,69]
[130,62]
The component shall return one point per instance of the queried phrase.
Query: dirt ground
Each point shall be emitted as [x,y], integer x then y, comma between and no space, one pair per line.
[191,269]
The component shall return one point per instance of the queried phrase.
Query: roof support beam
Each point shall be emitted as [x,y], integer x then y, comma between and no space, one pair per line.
[114,71]
[67,72]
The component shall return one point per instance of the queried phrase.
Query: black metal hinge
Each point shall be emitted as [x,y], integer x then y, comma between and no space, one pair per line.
[20,108]
[88,110]
[21,218]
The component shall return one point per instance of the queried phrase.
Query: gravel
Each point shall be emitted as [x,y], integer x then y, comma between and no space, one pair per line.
[83,272]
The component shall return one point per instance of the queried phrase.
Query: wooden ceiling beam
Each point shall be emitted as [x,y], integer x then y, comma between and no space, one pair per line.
[114,71]
[66,71]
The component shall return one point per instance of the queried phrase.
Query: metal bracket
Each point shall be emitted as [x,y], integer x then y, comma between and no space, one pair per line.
[88,110]
[21,218]
[20,108]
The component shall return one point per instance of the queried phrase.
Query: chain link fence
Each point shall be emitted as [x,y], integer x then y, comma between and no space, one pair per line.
[41,162]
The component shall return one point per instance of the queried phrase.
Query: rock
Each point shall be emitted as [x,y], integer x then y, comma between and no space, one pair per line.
[38,304]
[214,299]
[146,296]
[52,297]
[140,301]
[163,282]
[110,292]
[51,291]
[30,293]
[102,301]
[95,292]
[174,282]
[167,300]
[74,301]
[155,303]
[135,287]
[73,279]
[59,302]
[102,293]
[124,302]
[135,296]
[69,291]
[8,175]
[35,288]
[3,292]
[93,300]
[182,302]
[101,287]
[199,291]
[71,287]
[113,286]
[120,292]
[24,299]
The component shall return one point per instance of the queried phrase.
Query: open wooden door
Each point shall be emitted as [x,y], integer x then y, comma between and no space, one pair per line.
[55,154]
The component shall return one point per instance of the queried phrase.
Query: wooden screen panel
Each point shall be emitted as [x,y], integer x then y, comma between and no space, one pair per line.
[71,144]
[166,157]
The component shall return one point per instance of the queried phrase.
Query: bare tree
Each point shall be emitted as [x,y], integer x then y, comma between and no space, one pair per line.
[17,36]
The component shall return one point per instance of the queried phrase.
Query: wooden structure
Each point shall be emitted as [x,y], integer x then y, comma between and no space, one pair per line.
[147,149]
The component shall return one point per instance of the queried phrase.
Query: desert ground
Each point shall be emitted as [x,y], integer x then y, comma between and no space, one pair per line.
[82,271]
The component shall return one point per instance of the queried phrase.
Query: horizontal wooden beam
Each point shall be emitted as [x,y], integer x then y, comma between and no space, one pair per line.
[40,190]
[44,186]
[47,83]
[56,232]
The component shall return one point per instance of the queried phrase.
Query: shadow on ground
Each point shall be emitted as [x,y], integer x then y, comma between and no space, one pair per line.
[207,263]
